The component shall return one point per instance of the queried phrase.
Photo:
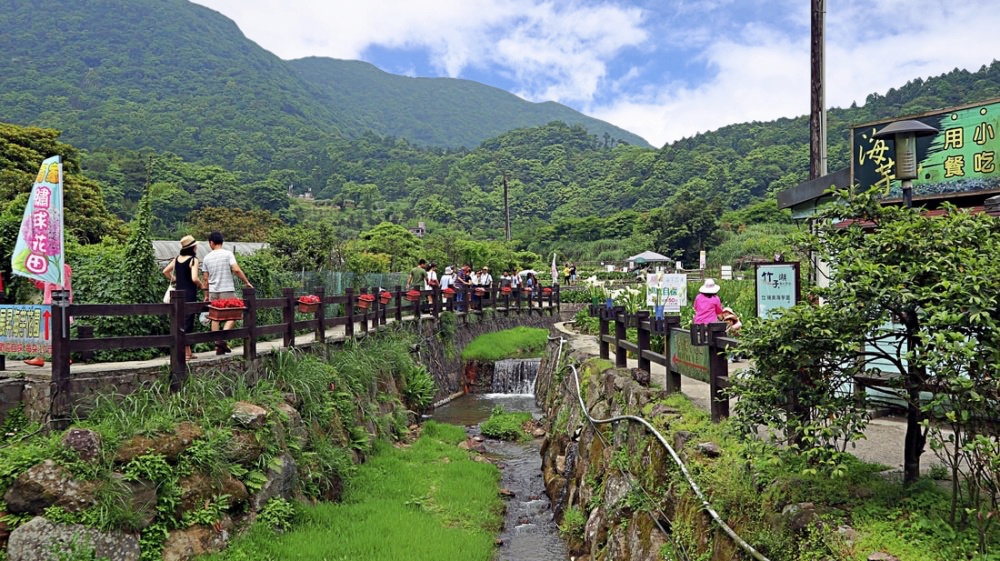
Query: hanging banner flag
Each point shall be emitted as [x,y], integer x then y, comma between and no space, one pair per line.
[555,272]
[38,253]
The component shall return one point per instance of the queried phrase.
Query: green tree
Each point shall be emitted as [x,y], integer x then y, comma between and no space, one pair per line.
[394,240]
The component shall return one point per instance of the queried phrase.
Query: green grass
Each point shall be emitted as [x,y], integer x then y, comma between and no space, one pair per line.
[427,502]
[506,425]
[520,342]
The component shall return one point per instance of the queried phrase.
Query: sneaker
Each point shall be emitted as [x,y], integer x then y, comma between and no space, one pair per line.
[37,361]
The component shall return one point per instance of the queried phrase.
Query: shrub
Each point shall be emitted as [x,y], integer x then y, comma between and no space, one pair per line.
[506,425]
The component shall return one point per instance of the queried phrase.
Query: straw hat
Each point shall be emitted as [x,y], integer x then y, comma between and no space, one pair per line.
[187,241]
[709,287]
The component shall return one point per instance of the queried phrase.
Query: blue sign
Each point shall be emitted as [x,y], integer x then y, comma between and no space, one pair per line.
[777,287]
[26,329]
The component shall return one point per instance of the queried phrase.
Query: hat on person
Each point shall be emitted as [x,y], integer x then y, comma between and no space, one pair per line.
[448,270]
[485,268]
[709,287]
[187,241]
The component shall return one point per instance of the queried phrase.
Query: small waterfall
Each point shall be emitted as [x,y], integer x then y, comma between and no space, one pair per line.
[515,376]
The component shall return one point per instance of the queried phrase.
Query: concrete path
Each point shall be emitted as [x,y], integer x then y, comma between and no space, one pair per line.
[883,442]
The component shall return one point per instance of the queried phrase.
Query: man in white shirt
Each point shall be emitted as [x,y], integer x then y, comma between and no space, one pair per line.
[219,266]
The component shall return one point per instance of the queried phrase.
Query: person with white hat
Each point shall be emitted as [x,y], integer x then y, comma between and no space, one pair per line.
[707,305]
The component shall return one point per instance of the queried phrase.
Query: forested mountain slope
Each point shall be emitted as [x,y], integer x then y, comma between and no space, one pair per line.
[178,77]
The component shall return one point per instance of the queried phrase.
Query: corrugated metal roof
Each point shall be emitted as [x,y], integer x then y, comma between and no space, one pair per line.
[165,250]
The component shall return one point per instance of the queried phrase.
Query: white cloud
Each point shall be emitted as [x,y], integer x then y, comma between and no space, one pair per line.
[621,62]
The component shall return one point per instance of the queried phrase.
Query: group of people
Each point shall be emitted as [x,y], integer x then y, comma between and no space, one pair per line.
[215,277]
[569,273]
[424,276]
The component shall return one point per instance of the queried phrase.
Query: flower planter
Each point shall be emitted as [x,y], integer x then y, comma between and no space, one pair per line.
[365,300]
[225,314]
[546,291]
[384,297]
[526,291]
[506,291]
[307,308]
[413,295]
[480,291]
[448,292]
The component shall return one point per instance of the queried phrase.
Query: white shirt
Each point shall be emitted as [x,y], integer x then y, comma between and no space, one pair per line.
[447,280]
[219,266]
[431,275]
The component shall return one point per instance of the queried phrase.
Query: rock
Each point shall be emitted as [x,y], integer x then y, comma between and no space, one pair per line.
[616,487]
[295,425]
[39,538]
[478,438]
[538,433]
[798,516]
[47,484]
[85,442]
[848,534]
[506,493]
[198,489]
[279,483]
[595,532]
[641,377]
[681,438]
[142,497]
[561,465]
[187,543]
[660,410]
[710,449]
[249,415]
[170,446]
[244,448]
[882,556]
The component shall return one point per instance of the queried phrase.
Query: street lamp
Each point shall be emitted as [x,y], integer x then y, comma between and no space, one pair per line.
[904,135]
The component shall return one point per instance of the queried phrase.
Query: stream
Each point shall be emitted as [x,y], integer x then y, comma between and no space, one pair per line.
[529,533]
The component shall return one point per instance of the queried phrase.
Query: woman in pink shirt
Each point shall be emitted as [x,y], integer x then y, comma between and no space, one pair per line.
[707,305]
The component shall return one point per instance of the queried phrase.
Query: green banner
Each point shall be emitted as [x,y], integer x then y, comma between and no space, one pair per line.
[960,158]
[687,359]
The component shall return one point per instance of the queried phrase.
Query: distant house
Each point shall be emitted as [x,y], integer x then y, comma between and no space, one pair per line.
[165,250]
[419,231]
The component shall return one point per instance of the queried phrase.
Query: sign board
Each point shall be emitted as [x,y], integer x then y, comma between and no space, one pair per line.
[687,359]
[726,272]
[26,329]
[960,158]
[777,287]
[667,290]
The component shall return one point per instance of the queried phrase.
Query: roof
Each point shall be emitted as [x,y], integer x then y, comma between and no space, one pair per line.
[165,250]
[649,257]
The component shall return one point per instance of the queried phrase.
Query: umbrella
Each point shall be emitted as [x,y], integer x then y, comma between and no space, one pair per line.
[525,272]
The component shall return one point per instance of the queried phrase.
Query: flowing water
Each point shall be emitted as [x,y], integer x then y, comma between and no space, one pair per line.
[529,533]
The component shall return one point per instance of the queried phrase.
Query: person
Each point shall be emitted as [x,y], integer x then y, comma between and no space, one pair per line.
[572,273]
[463,280]
[566,274]
[733,322]
[707,305]
[531,284]
[47,288]
[183,272]
[218,269]
[415,280]
[505,279]
[485,281]
[431,282]
[448,278]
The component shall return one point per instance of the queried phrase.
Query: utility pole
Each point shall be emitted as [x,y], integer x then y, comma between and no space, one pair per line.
[506,208]
[817,114]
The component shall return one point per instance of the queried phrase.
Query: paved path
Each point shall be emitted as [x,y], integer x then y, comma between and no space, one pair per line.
[883,442]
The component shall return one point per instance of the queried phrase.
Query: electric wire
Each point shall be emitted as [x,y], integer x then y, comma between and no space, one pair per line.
[706,506]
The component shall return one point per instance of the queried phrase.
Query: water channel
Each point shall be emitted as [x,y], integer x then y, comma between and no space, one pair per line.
[529,533]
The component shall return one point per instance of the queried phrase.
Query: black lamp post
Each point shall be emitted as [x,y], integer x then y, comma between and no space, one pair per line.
[904,135]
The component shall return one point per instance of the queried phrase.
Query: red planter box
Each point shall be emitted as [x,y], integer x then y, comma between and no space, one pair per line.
[225,314]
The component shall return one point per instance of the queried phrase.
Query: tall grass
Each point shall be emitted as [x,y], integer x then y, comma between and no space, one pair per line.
[425,502]
[519,342]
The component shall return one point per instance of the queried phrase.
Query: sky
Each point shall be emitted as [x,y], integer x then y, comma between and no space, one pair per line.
[662,69]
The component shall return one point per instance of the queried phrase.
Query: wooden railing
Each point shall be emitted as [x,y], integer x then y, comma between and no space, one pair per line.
[345,308]
[698,353]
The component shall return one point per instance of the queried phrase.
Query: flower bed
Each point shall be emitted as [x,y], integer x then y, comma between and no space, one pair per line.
[309,303]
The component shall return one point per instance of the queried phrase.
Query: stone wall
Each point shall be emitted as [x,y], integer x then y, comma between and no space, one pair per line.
[617,476]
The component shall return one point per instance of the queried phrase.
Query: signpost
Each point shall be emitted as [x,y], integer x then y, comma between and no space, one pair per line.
[26,329]
[687,359]
[667,290]
[777,286]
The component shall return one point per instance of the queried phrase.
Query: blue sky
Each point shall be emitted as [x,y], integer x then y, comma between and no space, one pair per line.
[664,69]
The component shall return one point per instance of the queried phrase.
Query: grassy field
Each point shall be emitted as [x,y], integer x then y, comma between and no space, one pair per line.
[520,342]
[425,502]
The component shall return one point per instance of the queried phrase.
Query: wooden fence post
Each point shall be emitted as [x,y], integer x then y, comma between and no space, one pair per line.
[349,312]
[364,312]
[288,314]
[673,381]
[621,355]
[178,366]
[399,304]
[643,331]
[436,301]
[250,322]
[60,399]
[321,315]
[603,332]
[718,372]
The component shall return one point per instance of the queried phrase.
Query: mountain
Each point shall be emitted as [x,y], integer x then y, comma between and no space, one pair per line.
[174,76]
[443,112]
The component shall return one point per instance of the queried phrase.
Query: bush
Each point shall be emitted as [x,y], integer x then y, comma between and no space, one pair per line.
[506,425]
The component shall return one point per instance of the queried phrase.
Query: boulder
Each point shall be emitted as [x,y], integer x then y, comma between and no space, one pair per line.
[280,482]
[85,442]
[47,484]
[188,543]
[39,539]
[244,448]
[799,516]
[170,446]
[248,415]
[709,449]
